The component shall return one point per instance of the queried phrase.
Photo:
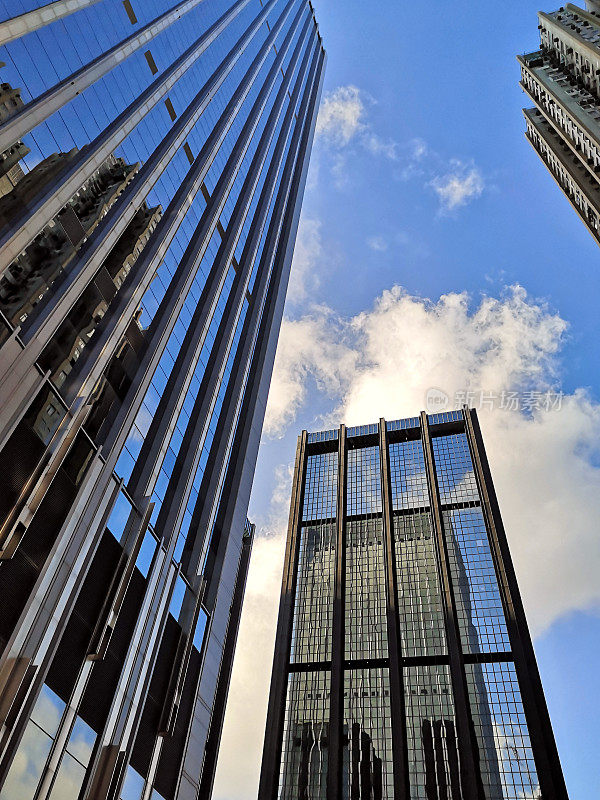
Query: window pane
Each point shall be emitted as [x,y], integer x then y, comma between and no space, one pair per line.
[26,769]
[69,779]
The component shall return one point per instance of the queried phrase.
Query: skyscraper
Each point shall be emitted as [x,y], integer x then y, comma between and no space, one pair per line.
[403,665]
[153,157]
[562,79]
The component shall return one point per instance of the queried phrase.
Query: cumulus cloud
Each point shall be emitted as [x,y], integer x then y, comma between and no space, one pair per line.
[382,362]
[311,349]
[462,184]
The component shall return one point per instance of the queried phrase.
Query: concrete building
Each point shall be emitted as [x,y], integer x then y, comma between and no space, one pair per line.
[154,156]
[562,80]
[403,665]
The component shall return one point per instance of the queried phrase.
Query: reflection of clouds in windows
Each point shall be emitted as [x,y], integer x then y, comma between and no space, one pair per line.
[48,710]
[408,475]
[26,769]
[68,780]
[454,468]
[81,741]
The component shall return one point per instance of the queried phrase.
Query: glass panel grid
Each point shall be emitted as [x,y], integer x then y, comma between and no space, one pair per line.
[505,753]
[420,605]
[323,436]
[364,481]
[475,585]
[456,478]
[408,475]
[368,762]
[320,494]
[365,629]
[402,424]
[431,732]
[304,753]
[313,607]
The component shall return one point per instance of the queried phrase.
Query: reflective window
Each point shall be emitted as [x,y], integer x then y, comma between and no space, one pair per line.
[420,604]
[200,630]
[177,597]
[366,626]
[433,761]
[368,759]
[313,607]
[364,481]
[456,478]
[320,493]
[119,516]
[474,582]
[505,754]
[305,736]
[34,748]
[408,476]
[146,553]
[133,785]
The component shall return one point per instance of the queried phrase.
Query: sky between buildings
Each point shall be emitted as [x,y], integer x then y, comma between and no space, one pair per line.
[436,252]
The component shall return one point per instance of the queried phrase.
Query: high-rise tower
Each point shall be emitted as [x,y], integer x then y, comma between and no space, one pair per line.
[403,665]
[562,79]
[153,157]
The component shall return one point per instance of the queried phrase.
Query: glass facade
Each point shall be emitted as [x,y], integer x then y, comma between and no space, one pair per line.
[402,679]
[153,156]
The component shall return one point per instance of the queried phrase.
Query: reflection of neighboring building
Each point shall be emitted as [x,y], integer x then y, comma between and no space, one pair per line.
[363,772]
[11,171]
[397,585]
[28,278]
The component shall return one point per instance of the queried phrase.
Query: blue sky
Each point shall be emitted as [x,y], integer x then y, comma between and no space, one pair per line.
[421,178]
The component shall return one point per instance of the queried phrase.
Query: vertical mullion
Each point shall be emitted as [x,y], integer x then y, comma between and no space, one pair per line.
[467,744]
[271,762]
[550,775]
[399,743]
[336,707]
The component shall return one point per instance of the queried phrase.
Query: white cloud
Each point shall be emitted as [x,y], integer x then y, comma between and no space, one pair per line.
[309,348]
[341,115]
[307,253]
[343,125]
[377,243]
[241,744]
[381,363]
[459,186]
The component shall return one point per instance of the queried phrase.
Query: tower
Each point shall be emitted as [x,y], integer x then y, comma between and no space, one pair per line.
[145,246]
[403,665]
[562,80]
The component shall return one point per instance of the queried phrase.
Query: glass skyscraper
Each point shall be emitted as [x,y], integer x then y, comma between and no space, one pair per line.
[153,156]
[403,664]
[562,80]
